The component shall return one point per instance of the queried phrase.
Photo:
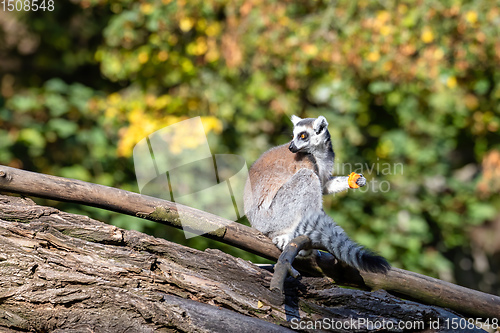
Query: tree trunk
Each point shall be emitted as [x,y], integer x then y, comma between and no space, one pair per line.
[68,273]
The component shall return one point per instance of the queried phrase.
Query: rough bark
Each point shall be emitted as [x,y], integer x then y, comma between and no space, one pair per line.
[407,284]
[68,273]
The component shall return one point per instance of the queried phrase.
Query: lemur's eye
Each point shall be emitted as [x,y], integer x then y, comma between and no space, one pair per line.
[303,135]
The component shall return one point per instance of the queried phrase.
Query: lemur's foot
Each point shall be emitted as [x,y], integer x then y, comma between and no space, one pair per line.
[281,241]
[356,180]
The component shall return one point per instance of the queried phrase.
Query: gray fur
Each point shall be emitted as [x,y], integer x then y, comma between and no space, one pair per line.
[317,144]
[283,196]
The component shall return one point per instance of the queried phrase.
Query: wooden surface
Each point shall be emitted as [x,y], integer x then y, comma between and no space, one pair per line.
[61,272]
[409,285]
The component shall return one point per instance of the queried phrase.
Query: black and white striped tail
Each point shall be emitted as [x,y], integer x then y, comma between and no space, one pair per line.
[324,233]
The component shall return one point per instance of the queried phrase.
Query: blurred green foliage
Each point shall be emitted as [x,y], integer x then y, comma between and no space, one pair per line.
[410,89]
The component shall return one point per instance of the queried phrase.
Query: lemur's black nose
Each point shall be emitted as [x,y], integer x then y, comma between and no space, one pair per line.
[292,147]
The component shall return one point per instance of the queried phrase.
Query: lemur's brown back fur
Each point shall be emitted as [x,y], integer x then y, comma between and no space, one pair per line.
[273,169]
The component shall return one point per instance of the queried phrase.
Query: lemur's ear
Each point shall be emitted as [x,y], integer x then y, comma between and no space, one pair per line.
[295,119]
[320,124]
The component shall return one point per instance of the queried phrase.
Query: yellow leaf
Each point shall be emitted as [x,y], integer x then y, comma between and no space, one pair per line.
[212,124]
[187,66]
[111,113]
[212,55]
[140,127]
[146,8]
[384,149]
[201,24]
[213,29]
[162,55]
[438,54]
[383,16]
[143,57]
[284,21]
[162,102]
[387,66]
[199,47]
[186,24]
[385,30]
[451,82]
[114,98]
[402,9]
[427,35]
[471,16]
[373,56]
[260,304]
[310,49]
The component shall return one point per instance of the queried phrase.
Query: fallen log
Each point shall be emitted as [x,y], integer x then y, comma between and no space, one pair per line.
[62,272]
[409,285]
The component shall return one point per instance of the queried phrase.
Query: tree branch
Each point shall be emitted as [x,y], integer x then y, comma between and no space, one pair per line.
[284,264]
[134,204]
[400,282]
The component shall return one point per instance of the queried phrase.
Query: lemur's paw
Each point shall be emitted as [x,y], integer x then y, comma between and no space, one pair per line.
[361,180]
[356,180]
[281,241]
[304,253]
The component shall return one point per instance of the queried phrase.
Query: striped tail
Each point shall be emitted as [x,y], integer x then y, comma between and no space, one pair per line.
[326,234]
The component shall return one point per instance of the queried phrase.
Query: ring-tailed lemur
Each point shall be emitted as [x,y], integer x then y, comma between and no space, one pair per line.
[283,195]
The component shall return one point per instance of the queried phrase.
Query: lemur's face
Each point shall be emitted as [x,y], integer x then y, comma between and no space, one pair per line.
[308,134]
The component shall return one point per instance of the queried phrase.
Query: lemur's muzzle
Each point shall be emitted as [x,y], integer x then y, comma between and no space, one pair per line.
[293,147]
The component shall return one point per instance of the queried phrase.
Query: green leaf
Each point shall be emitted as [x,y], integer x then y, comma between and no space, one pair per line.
[480,212]
[64,128]
[23,103]
[379,87]
[75,172]
[56,104]
[32,137]
[56,86]
[482,86]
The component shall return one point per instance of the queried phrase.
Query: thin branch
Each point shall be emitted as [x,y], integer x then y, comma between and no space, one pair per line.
[134,204]
[410,285]
[284,264]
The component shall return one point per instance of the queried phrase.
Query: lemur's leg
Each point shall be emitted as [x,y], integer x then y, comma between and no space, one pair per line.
[302,193]
[297,209]
[342,183]
[326,234]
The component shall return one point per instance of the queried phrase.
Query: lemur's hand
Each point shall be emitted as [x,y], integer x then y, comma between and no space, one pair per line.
[356,180]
